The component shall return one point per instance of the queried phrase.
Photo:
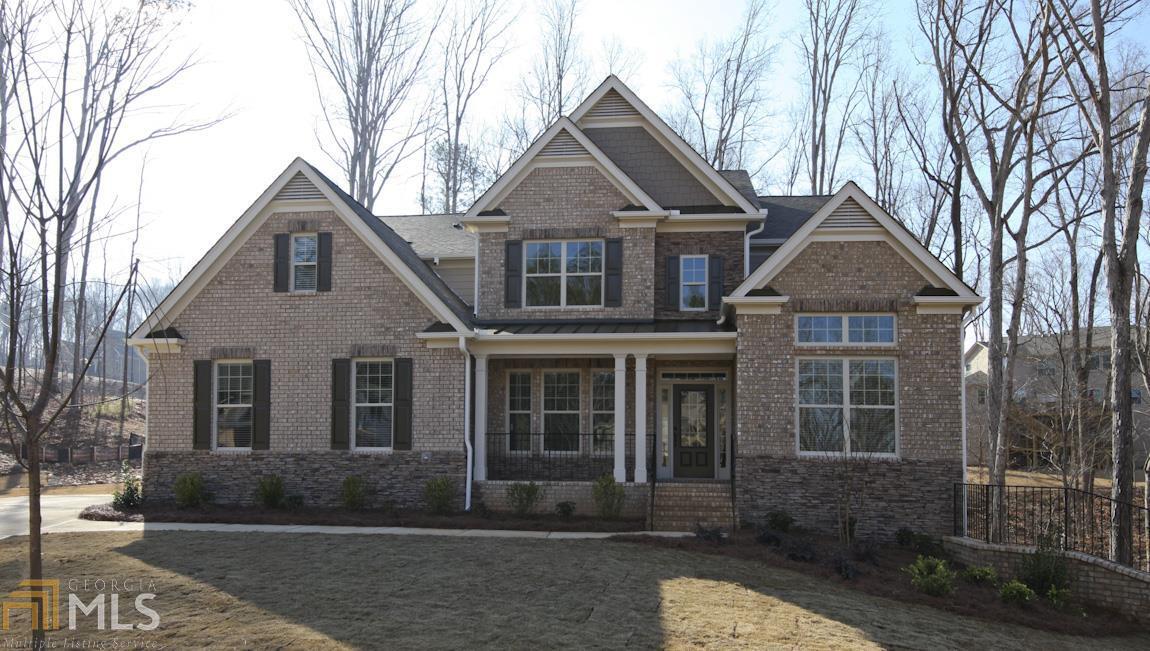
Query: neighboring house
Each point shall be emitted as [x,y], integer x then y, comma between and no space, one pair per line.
[1043,385]
[617,327]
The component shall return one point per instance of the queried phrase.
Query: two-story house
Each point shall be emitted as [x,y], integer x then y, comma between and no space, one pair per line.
[632,312]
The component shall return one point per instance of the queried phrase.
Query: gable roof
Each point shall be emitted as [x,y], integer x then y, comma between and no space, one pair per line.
[395,252]
[863,215]
[433,236]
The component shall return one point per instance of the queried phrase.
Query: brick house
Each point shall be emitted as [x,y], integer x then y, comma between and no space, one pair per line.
[633,312]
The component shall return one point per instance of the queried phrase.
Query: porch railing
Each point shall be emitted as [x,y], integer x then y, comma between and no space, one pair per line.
[1067,518]
[552,457]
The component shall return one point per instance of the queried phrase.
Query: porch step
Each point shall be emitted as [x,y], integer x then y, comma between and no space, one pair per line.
[679,506]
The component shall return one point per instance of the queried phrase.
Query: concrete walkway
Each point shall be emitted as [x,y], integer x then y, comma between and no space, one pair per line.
[61,515]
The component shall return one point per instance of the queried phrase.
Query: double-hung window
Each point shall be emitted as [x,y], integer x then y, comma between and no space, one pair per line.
[603,411]
[304,262]
[847,406]
[851,329]
[519,411]
[561,411]
[233,408]
[563,274]
[373,408]
[693,282]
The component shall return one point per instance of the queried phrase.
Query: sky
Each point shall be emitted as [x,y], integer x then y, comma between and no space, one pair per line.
[251,66]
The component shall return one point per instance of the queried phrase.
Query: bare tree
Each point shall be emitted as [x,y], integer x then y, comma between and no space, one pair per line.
[373,53]
[556,80]
[878,129]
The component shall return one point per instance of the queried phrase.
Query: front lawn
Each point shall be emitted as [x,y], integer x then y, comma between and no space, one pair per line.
[257,590]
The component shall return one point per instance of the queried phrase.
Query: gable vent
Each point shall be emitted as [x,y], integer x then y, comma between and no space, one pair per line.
[612,105]
[850,215]
[299,187]
[563,144]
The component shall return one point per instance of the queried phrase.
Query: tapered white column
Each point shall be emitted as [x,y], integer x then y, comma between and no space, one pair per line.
[480,417]
[621,417]
[640,419]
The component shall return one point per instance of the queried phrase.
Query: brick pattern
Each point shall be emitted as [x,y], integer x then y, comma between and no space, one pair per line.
[1093,580]
[681,506]
[493,495]
[727,244]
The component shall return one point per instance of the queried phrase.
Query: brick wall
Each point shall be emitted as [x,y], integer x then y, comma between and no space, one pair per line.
[727,244]
[493,495]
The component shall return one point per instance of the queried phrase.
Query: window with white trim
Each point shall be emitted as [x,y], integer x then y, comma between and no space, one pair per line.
[233,408]
[373,409]
[603,411]
[561,411]
[847,406]
[693,282]
[519,411]
[853,329]
[563,274]
[304,262]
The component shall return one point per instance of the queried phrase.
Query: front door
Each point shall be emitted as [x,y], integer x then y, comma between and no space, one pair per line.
[694,430]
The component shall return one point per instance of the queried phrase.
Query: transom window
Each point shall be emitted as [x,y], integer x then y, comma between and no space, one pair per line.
[847,406]
[233,408]
[374,392]
[561,411]
[563,274]
[858,329]
[693,282]
[603,411]
[304,262]
[519,411]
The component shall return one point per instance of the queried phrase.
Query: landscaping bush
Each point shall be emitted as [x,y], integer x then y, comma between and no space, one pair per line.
[354,493]
[480,509]
[566,510]
[1043,570]
[270,492]
[980,575]
[190,491]
[709,534]
[931,575]
[769,538]
[920,543]
[523,498]
[780,521]
[439,493]
[1059,598]
[800,549]
[1016,592]
[904,537]
[609,497]
[864,551]
[128,496]
[844,566]
[293,502]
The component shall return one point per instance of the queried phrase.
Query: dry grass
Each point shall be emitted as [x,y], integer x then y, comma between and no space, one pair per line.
[21,490]
[332,591]
[979,474]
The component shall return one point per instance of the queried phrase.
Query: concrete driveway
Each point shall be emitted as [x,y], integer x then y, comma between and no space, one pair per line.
[55,510]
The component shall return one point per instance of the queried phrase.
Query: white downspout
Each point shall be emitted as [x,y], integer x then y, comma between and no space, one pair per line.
[747,244]
[962,376]
[467,419]
[475,282]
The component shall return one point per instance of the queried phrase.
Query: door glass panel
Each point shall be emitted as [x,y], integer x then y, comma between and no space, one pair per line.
[693,419]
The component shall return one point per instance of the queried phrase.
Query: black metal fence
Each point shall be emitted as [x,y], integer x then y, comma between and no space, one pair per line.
[551,457]
[1067,518]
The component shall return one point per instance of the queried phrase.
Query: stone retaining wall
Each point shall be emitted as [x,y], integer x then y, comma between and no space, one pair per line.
[493,494]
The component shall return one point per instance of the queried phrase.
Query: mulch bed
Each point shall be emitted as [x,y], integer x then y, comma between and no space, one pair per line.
[365,518]
[882,576]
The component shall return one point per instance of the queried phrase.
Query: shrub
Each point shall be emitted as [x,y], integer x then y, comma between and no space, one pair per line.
[1016,592]
[293,502]
[800,549]
[921,543]
[1058,597]
[904,537]
[190,491]
[608,496]
[128,496]
[439,493]
[709,534]
[780,521]
[480,509]
[566,510]
[270,491]
[1044,570]
[931,575]
[980,575]
[769,538]
[523,498]
[844,566]
[354,493]
[864,551]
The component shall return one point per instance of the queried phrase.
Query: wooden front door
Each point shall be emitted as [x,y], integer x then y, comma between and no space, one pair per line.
[693,429]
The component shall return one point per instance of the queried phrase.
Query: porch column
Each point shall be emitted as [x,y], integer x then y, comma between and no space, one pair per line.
[480,417]
[640,419]
[621,417]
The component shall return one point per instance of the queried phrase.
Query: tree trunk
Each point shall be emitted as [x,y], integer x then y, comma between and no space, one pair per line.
[1122,448]
[35,560]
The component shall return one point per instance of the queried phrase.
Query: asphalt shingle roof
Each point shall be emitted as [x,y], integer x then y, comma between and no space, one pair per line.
[433,236]
[787,214]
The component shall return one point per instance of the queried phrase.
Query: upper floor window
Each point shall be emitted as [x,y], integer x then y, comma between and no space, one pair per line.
[233,409]
[373,416]
[1098,359]
[857,329]
[563,274]
[693,282]
[304,262]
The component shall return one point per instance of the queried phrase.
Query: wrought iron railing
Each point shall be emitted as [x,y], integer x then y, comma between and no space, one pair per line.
[1066,518]
[552,457]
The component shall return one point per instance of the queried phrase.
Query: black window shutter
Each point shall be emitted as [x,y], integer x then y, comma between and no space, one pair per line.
[401,439]
[323,263]
[613,292]
[714,282]
[672,282]
[202,404]
[282,269]
[340,403]
[513,267]
[262,406]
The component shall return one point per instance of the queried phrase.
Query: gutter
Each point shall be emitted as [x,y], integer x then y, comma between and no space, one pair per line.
[467,420]
[746,258]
